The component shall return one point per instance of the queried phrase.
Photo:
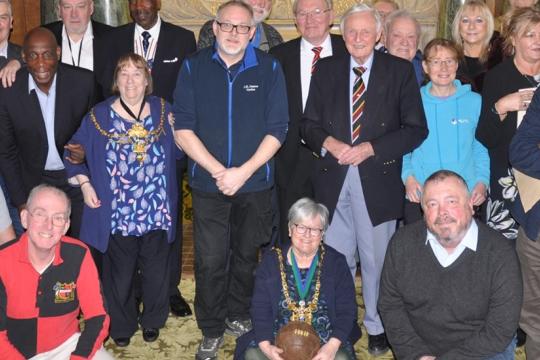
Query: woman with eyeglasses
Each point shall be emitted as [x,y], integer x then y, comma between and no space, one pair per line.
[306,285]
[129,188]
[452,112]
[473,32]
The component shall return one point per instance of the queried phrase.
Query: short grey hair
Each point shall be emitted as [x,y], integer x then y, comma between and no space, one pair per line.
[360,8]
[329,5]
[53,190]
[401,14]
[9,7]
[238,3]
[306,208]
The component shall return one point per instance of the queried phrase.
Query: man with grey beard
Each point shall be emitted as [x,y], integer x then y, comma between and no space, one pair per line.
[450,286]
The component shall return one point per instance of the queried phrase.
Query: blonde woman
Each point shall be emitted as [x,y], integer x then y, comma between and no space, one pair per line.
[473,32]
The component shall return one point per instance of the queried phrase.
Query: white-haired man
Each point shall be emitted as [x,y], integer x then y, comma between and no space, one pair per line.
[363,113]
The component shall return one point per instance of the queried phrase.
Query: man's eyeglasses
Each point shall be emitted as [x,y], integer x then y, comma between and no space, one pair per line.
[302,230]
[41,217]
[228,27]
[316,13]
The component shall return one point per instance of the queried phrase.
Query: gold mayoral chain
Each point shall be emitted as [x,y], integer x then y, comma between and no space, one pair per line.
[301,311]
[137,135]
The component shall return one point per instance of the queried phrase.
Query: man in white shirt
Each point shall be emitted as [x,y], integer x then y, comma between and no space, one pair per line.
[78,36]
[298,58]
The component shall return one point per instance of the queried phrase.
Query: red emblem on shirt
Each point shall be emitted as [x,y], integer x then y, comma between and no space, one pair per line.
[64,292]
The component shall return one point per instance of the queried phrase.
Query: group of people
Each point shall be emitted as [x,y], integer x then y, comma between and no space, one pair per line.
[321,146]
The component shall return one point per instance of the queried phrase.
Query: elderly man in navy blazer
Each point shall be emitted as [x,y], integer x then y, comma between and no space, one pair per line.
[363,113]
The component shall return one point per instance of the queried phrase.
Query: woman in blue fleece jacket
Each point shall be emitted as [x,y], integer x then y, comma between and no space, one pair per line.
[452,113]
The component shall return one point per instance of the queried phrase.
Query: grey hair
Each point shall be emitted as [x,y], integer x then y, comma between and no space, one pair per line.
[53,190]
[442,175]
[329,5]
[9,7]
[306,208]
[238,3]
[401,14]
[360,8]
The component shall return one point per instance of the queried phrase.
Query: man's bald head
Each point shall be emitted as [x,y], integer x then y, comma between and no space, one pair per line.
[41,54]
[40,33]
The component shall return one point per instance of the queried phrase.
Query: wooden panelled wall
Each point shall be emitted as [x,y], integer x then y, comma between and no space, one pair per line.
[26,16]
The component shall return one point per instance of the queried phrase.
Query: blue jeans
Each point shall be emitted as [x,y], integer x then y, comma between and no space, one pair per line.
[508,353]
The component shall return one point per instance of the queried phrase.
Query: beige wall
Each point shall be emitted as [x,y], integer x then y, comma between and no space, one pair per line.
[193,13]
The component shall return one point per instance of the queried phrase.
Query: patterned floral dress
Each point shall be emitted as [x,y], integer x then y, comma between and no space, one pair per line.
[139,202]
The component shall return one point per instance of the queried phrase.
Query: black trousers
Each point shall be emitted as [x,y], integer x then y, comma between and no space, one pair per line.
[58,178]
[228,233]
[150,253]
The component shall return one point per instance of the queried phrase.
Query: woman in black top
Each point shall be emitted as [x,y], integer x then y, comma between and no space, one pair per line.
[508,89]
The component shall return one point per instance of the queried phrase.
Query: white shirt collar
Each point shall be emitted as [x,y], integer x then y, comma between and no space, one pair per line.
[154,30]
[33,86]
[368,64]
[470,241]
[306,45]
[3,49]
[88,34]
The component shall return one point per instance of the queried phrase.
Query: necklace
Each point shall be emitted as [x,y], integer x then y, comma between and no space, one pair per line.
[301,311]
[137,135]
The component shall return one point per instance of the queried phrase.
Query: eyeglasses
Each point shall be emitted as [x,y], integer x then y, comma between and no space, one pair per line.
[228,27]
[439,63]
[316,13]
[302,230]
[41,217]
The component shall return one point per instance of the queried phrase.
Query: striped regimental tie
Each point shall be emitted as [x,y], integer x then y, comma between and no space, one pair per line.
[317,50]
[358,101]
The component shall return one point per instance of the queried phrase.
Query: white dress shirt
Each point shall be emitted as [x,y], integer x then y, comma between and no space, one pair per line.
[306,59]
[152,41]
[77,56]
[352,77]
[470,240]
[47,103]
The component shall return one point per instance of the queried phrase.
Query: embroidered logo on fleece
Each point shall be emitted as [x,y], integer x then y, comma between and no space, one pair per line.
[250,88]
[64,292]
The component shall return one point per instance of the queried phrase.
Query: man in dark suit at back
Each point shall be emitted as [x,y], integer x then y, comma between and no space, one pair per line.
[77,34]
[38,116]
[298,58]
[164,46]
[364,112]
